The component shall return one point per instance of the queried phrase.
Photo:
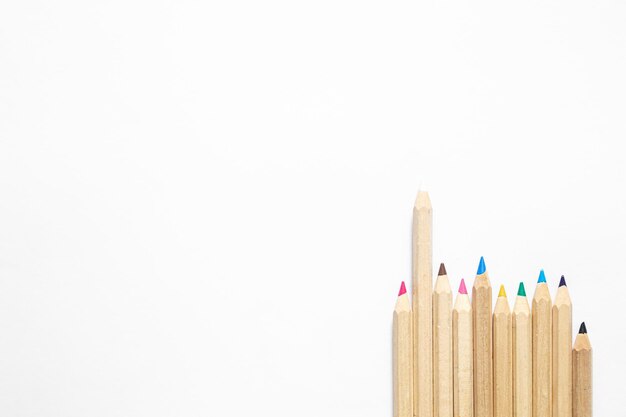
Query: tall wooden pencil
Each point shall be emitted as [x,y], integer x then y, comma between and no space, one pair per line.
[422,306]
[562,352]
[402,356]
[481,311]
[542,349]
[581,369]
[522,356]
[463,354]
[502,363]
[443,405]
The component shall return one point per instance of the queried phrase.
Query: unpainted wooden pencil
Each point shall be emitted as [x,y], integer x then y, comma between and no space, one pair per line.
[443,405]
[562,352]
[483,370]
[522,355]
[582,389]
[463,360]
[402,356]
[542,349]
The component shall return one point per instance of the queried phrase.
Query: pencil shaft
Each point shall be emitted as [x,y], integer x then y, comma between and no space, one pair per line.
[422,306]
[562,354]
[402,359]
[581,377]
[463,357]
[443,405]
[483,376]
[522,359]
[542,352]
[502,358]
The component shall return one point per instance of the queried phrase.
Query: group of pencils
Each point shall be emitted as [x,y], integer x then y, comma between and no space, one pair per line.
[465,360]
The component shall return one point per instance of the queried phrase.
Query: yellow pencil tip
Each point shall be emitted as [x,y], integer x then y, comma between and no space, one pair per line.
[502,293]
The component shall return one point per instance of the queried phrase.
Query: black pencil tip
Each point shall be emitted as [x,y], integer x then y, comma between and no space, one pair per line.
[562,281]
[583,328]
[442,269]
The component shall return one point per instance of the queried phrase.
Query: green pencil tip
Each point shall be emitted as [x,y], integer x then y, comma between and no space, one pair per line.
[521,291]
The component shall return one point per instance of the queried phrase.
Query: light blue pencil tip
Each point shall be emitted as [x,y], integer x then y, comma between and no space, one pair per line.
[542,277]
[481,266]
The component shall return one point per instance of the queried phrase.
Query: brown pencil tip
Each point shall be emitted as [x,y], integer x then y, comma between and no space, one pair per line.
[442,269]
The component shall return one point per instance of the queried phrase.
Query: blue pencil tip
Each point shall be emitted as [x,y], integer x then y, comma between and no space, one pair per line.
[562,281]
[542,277]
[481,266]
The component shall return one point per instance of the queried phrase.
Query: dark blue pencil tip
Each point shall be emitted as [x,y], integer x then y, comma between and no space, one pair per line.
[583,328]
[562,283]
[481,266]
[542,277]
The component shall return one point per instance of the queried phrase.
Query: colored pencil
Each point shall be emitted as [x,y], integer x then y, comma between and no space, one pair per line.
[422,306]
[443,405]
[522,356]
[542,349]
[481,311]
[562,352]
[502,357]
[402,356]
[463,359]
[581,369]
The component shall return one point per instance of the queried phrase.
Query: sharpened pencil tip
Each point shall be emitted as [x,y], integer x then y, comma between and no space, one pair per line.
[402,289]
[521,291]
[562,283]
[462,289]
[583,328]
[442,269]
[542,277]
[481,266]
[502,293]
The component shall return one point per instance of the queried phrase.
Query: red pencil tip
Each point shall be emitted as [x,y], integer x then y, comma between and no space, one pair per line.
[402,289]
[462,289]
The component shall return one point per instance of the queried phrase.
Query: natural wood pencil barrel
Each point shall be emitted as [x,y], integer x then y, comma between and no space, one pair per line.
[562,352]
[522,356]
[402,356]
[483,376]
[542,350]
[443,405]
[502,358]
[462,335]
[582,372]
[422,306]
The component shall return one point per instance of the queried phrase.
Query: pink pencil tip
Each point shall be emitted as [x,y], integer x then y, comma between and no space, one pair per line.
[462,289]
[402,289]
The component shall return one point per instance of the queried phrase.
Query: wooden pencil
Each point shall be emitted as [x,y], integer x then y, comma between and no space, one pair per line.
[522,356]
[581,370]
[502,363]
[462,334]
[562,352]
[402,356]
[481,312]
[422,306]
[443,405]
[542,349]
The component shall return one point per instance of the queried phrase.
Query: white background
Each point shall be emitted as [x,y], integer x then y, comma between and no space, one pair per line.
[205,207]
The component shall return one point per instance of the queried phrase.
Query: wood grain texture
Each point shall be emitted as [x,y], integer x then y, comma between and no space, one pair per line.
[443,404]
[582,377]
[502,359]
[562,354]
[483,372]
[403,358]
[542,352]
[422,306]
[463,360]
[522,358]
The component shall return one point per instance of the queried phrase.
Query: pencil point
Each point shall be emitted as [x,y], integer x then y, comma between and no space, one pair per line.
[583,328]
[542,277]
[562,283]
[442,269]
[521,291]
[481,266]
[402,289]
[502,293]
[462,289]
